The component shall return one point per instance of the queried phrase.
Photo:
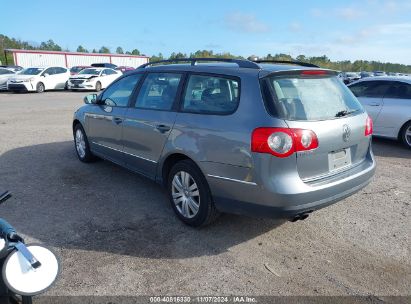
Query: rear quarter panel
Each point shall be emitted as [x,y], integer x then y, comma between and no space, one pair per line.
[220,144]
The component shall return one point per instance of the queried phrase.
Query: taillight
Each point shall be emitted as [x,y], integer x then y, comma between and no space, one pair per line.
[313,72]
[282,142]
[368,126]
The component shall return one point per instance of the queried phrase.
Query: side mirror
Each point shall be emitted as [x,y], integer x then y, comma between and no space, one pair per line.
[90,99]
[46,74]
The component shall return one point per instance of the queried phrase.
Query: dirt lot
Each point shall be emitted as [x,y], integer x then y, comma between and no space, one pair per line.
[116,233]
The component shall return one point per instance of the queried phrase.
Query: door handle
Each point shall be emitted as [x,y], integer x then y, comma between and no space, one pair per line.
[374,104]
[163,128]
[118,120]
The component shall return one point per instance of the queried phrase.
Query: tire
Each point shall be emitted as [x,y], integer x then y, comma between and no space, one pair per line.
[98,86]
[40,87]
[405,135]
[66,86]
[81,145]
[26,300]
[194,208]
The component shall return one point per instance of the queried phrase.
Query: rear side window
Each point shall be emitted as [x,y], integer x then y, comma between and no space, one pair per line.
[118,93]
[58,70]
[158,91]
[211,95]
[309,98]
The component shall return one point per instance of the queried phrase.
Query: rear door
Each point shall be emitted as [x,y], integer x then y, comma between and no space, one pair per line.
[324,105]
[149,120]
[104,122]
[62,76]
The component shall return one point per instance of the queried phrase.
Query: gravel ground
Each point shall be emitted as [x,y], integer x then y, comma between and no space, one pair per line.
[116,233]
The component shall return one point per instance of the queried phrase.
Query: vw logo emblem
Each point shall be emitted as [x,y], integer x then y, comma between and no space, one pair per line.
[346,132]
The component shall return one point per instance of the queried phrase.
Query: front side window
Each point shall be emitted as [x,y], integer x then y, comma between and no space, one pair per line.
[117,94]
[211,95]
[158,91]
[399,90]
[374,89]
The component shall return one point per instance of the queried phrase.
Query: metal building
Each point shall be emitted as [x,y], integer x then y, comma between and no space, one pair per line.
[27,58]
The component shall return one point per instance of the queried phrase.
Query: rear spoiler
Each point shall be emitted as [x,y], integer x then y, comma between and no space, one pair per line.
[299,72]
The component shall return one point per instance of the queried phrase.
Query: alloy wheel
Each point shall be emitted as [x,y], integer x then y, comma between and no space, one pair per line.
[408,136]
[80,144]
[186,195]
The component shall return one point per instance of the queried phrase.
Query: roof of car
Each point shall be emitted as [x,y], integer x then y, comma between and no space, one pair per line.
[233,69]
[406,79]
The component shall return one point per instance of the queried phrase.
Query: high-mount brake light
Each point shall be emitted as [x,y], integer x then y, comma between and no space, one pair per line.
[282,142]
[313,73]
[368,126]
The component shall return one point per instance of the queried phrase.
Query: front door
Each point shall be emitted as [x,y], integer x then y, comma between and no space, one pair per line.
[105,121]
[149,121]
[371,94]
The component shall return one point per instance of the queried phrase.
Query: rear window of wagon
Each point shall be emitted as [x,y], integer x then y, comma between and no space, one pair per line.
[295,97]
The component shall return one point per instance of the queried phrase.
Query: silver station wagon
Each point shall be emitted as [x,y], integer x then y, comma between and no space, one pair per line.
[267,139]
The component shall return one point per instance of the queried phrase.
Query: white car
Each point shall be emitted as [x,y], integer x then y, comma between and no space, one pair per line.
[39,79]
[5,74]
[93,79]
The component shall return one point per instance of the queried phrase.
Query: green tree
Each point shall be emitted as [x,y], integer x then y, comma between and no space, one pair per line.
[119,50]
[104,50]
[178,55]
[81,49]
[135,52]
[50,45]
[156,57]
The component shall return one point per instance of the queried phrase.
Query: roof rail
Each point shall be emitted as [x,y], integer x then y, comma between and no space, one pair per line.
[305,64]
[241,62]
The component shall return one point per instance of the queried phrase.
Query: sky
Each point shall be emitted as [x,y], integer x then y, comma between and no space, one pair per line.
[342,30]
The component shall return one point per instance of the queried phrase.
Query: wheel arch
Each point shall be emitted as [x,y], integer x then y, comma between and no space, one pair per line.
[402,128]
[169,162]
[75,123]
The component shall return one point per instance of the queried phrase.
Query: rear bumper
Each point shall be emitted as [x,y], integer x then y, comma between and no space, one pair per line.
[294,197]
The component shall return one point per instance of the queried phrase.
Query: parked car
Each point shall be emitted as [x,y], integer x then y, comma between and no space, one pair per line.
[124,69]
[388,102]
[77,69]
[379,73]
[14,68]
[5,74]
[349,77]
[39,79]
[104,65]
[364,74]
[270,140]
[93,79]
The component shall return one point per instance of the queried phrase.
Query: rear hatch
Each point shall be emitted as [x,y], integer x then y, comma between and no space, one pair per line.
[317,100]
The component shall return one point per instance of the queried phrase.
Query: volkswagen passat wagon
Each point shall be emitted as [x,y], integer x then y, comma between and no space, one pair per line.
[261,139]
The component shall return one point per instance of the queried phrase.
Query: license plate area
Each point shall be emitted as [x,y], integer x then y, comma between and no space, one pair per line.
[339,159]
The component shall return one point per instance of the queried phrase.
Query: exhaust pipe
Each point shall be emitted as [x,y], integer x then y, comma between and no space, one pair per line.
[300,217]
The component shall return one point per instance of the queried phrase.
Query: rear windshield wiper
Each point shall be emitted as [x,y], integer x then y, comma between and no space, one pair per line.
[345,113]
